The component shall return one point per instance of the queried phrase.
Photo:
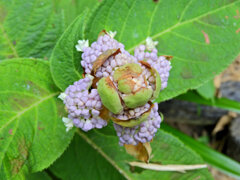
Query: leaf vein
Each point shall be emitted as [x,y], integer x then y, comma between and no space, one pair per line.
[9,41]
[125,22]
[27,109]
[185,22]
[95,146]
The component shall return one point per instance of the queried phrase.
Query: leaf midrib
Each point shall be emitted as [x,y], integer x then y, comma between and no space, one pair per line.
[100,151]
[19,114]
[9,41]
[178,24]
[29,108]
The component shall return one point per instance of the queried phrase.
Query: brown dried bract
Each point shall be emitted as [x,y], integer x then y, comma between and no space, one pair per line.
[102,33]
[110,83]
[142,151]
[103,57]
[169,58]
[146,64]
[104,113]
[94,82]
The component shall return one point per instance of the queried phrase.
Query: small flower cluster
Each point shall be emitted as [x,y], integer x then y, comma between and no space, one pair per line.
[143,132]
[118,87]
[84,106]
[161,64]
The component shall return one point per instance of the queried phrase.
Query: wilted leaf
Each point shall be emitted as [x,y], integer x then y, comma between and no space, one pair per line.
[32,134]
[177,168]
[141,151]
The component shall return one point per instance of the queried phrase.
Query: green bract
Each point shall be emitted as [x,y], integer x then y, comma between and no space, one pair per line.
[129,88]
[132,122]
[109,95]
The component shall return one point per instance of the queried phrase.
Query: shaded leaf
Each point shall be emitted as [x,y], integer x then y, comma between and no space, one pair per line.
[166,149]
[30,29]
[32,134]
[38,176]
[82,161]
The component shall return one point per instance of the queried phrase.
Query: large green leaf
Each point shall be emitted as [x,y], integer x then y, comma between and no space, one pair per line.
[183,29]
[32,134]
[30,29]
[65,60]
[73,8]
[166,150]
[72,164]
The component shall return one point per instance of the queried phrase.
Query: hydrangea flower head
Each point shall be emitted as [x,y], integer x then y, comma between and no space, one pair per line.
[117,86]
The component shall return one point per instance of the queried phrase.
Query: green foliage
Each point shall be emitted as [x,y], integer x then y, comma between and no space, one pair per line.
[30,29]
[82,160]
[73,8]
[179,26]
[201,35]
[38,176]
[166,150]
[222,103]
[65,60]
[207,90]
[212,157]
[32,134]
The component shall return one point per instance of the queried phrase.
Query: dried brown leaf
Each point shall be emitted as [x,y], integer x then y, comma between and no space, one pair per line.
[142,151]
[103,57]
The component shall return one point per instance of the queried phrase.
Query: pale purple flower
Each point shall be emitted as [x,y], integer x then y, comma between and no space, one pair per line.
[142,133]
[84,105]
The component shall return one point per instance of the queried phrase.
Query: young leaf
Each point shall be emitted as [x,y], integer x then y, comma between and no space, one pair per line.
[166,149]
[30,29]
[202,36]
[32,134]
[212,157]
[65,60]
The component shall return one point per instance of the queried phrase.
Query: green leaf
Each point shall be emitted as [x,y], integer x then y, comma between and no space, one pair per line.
[222,103]
[212,157]
[181,28]
[72,164]
[32,134]
[31,29]
[65,60]
[166,149]
[38,176]
[207,90]
[73,8]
